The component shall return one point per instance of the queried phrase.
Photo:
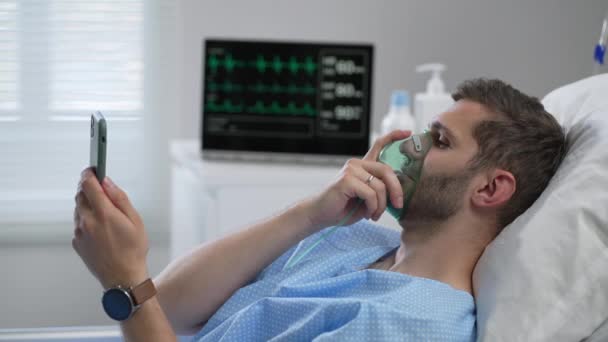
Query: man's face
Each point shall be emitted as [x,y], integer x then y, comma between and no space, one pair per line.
[445,182]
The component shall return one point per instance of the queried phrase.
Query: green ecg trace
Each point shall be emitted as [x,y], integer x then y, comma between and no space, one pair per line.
[226,106]
[225,86]
[260,107]
[275,108]
[263,64]
[228,63]
[261,88]
[275,88]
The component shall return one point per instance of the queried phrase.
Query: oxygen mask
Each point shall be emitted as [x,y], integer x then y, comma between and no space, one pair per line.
[406,158]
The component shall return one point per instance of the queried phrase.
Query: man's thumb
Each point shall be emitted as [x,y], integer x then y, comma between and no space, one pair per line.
[120,199]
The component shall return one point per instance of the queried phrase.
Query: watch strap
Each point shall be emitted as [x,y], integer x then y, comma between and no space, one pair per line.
[143,292]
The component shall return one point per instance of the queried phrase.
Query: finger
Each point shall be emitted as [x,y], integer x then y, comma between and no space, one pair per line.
[84,174]
[386,174]
[86,222]
[81,204]
[120,200]
[81,200]
[361,211]
[374,152]
[85,171]
[356,187]
[377,185]
[77,232]
[97,199]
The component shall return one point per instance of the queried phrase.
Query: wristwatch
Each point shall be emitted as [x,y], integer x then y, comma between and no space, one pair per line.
[121,303]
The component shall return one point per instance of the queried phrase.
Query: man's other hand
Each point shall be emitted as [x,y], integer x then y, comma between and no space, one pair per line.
[354,183]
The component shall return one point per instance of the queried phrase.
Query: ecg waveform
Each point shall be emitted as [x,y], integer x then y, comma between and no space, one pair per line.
[263,64]
[259,107]
[260,87]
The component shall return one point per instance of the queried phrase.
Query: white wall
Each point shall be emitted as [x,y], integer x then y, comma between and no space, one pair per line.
[535,45]
[48,285]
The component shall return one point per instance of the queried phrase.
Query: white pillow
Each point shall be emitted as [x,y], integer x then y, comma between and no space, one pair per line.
[545,277]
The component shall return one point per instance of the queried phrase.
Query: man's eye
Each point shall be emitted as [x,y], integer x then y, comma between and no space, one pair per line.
[439,142]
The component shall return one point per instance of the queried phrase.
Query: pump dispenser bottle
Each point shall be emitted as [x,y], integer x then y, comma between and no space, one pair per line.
[435,100]
[399,115]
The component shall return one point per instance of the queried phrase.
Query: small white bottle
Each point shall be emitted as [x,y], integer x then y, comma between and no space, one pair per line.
[435,101]
[399,115]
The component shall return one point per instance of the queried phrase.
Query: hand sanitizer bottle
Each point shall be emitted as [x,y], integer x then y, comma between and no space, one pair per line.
[435,100]
[399,115]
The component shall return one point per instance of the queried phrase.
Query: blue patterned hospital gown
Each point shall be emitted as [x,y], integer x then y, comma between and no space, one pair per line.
[328,297]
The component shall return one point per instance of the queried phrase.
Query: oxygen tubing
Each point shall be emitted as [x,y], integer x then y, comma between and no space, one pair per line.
[295,259]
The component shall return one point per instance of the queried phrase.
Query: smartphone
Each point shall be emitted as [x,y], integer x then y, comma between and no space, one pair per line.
[99,133]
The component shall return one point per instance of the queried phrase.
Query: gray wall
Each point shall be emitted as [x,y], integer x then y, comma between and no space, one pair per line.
[535,45]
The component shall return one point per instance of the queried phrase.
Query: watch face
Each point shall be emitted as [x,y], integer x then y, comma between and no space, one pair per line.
[117,304]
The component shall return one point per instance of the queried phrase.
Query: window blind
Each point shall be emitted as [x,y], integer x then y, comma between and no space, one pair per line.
[9,68]
[60,60]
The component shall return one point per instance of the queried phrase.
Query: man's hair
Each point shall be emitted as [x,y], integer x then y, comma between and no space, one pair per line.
[524,140]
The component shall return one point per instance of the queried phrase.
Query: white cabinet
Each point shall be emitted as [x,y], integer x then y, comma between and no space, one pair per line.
[210,199]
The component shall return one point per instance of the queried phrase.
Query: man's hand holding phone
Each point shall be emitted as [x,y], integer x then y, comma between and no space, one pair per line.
[109,234]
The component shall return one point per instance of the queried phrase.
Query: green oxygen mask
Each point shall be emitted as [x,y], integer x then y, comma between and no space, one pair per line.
[406,158]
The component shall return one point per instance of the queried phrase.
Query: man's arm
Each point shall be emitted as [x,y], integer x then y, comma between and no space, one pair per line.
[192,288]
[148,324]
[111,240]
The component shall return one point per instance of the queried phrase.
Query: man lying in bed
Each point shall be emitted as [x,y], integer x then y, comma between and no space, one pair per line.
[494,152]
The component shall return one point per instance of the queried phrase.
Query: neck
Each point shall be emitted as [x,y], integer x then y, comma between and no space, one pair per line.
[446,251]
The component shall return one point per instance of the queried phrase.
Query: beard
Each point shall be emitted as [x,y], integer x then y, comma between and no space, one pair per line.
[438,197]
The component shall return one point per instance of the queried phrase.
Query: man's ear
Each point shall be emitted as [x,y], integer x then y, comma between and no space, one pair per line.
[498,188]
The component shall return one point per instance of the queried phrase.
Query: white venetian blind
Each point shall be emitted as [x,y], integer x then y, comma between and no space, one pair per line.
[9,68]
[60,60]
[96,55]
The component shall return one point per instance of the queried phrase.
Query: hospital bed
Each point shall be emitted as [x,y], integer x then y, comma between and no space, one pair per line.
[545,277]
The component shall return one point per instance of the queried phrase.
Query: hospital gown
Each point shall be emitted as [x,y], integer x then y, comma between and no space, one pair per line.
[329,296]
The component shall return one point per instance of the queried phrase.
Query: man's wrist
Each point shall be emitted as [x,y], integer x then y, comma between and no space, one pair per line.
[301,213]
[126,280]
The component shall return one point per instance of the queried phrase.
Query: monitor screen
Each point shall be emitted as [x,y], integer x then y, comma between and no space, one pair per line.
[302,98]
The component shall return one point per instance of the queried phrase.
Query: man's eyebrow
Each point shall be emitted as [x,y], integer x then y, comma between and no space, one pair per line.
[441,127]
